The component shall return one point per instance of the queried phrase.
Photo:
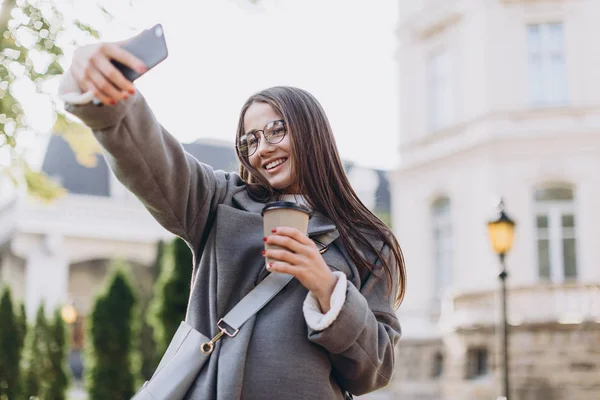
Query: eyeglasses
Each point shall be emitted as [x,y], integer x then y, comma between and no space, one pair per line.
[273,132]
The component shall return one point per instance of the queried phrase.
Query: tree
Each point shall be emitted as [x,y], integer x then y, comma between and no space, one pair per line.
[29,32]
[109,360]
[57,354]
[35,363]
[148,353]
[172,292]
[22,323]
[10,348]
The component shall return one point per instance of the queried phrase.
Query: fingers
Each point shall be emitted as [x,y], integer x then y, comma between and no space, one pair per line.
[285,268]
[284,256]
[293,233]
[104,87]
[93,71]
[114,76]
[286,242]
[86,84]
[115,52]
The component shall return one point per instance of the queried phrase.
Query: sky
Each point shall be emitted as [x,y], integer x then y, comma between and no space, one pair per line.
[222,51]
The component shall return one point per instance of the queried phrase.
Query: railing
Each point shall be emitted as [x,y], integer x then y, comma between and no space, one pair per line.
[568,303]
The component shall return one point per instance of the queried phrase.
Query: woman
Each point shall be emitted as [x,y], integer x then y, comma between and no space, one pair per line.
[332,329]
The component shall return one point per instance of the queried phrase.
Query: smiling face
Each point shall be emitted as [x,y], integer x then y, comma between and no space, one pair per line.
[273,161]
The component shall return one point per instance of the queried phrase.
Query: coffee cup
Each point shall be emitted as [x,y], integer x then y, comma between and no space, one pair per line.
[284,213]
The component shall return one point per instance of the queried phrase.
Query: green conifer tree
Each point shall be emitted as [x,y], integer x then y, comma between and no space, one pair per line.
[149,356]
[109,366]
[57,356]
[35,363]
[10,348]
[22,322]
[172,292]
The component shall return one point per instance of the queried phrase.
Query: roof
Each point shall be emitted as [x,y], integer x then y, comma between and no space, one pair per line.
[60,163]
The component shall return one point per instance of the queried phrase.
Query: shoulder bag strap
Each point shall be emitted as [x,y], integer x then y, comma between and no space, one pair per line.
[258,297]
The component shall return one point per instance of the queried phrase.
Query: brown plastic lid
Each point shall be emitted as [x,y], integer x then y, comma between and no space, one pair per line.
[285,204]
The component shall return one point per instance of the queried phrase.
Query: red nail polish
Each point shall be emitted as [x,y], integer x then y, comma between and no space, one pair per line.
[263,252]
[274,230]
[264,239]
[132,91]
[113,102]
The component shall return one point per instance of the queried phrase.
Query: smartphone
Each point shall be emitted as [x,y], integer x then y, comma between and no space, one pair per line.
[149,46]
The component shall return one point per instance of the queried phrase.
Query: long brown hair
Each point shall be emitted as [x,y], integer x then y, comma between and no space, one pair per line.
[321,177]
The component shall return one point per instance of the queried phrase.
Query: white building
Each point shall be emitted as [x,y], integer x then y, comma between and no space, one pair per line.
[499,98]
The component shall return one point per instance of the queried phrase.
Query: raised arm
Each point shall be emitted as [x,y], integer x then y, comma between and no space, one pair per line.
[178,190]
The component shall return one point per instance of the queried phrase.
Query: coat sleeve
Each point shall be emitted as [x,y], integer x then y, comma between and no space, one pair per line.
[179,191]
[362,338]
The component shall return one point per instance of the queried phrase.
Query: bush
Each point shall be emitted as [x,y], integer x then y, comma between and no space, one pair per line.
[36,379]
[172,292]
[109,361]
[11,344]
[147,343]
[57,355]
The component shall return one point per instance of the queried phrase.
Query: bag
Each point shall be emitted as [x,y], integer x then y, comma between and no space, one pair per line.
[178,367]
[189,349]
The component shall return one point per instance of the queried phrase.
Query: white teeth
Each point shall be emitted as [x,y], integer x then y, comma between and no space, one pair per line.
[275,163]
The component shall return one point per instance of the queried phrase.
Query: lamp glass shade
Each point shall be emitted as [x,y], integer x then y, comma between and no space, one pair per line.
[501,235]
[68,314]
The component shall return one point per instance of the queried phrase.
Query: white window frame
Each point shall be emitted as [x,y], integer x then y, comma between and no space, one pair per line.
[548,82]
[555,233]
[439,90]
[443,247]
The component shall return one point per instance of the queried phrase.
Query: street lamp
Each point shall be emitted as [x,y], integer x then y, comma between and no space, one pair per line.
[69,314]
[501,231]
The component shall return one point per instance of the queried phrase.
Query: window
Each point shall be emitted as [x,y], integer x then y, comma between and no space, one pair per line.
[556,234]
[439,92]
[443,245]
[477,363]
[547,66]
[438,365]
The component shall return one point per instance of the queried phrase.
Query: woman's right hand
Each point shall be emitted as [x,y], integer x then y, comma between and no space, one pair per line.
[93,72]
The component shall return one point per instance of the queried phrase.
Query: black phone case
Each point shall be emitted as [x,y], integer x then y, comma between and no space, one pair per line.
[149,46]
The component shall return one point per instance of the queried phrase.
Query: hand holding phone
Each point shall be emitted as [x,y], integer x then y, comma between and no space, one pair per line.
[149,46]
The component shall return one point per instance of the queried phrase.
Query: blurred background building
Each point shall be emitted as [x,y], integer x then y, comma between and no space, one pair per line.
[499,98]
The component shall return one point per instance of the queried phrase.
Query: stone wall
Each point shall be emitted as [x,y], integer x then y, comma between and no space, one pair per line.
[556,362]
[548,361]
[416,376]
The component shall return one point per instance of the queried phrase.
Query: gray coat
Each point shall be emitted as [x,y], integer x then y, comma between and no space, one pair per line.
[275,355]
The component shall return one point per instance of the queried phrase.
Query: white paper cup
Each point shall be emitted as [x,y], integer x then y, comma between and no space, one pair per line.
[284,213]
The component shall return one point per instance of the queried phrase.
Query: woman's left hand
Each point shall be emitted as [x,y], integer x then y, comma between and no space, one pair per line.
[300,257]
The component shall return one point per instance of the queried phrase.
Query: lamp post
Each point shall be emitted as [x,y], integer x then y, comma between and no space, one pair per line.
[501,231]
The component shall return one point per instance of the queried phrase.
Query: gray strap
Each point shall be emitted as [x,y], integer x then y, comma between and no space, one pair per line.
[254,301]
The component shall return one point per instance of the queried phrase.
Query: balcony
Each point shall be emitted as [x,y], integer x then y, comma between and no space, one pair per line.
[82,216]
[435,16]
[568,303]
